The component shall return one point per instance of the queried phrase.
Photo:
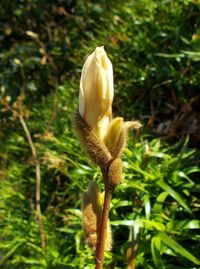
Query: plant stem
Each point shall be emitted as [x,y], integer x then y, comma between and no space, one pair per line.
[103,230]
[38,178]
[131,255]
[34,154]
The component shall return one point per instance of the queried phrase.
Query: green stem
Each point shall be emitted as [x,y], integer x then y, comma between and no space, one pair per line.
[102,231]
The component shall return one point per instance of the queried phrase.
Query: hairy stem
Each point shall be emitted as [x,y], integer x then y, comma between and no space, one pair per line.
[102,231]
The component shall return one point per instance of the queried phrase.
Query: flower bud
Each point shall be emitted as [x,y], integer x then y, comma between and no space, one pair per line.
[115,173]
[92,206]
[96,92]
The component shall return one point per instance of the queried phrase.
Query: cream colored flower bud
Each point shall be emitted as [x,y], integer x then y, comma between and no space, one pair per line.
[96,92]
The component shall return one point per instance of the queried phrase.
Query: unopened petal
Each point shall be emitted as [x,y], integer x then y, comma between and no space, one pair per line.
[102,127]
[96,91]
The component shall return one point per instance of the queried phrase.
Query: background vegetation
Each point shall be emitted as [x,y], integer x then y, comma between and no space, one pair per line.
[155,49]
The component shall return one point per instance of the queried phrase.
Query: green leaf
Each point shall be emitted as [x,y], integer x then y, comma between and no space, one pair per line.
[142,223]
[156,250]
[184,224]
[134,185]
[147,206]
[173,193]
[12,250]
[178,248]
[158,206]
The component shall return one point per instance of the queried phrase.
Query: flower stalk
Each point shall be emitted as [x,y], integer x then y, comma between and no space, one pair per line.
[102,231]
[104,139]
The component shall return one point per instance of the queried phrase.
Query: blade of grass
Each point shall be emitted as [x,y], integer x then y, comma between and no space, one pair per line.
[173,194]
[156,250]
[178,248]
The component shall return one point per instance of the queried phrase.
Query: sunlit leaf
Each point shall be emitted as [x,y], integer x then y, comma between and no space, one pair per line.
[178,248]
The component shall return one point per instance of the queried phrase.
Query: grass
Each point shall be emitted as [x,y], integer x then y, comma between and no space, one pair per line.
[154,47]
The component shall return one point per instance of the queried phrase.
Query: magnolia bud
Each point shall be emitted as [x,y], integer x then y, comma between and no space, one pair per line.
[92,207]
[96,92]
[115,173]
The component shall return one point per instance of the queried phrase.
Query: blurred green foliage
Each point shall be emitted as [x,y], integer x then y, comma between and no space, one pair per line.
[155,49]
